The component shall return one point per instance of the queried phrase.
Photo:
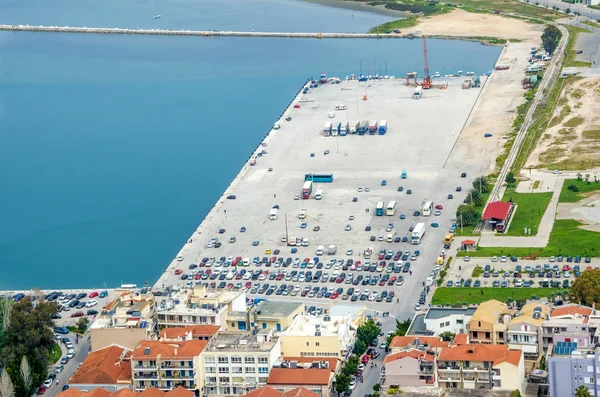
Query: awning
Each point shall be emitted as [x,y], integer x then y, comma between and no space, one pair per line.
[467,242]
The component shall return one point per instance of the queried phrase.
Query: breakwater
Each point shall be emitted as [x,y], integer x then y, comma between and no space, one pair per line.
[204,33]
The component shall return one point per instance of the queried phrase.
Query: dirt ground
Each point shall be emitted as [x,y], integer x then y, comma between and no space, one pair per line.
[586,211]
[572,141]
[462,23]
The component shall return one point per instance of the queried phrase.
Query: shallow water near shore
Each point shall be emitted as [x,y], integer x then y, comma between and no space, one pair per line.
[114,148]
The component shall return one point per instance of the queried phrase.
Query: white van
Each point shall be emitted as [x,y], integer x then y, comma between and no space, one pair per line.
[276,126]
[319,194]
[273,214]
[341,107]
[320,250]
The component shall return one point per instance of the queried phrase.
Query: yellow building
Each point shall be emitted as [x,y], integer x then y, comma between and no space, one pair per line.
[318,336]
[489,323]
[277,316]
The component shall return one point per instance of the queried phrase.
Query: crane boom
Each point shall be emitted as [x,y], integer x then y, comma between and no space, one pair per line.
[427,76]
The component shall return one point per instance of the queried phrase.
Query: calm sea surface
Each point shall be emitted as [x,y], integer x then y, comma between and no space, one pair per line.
[114,148]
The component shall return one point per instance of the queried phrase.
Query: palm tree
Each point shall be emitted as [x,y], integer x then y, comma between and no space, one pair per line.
[481,184]
[475,198]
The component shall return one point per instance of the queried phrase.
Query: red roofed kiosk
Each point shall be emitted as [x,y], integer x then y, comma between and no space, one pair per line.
[498,214]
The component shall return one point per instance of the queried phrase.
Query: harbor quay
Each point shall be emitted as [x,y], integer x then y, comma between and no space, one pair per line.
[365,170]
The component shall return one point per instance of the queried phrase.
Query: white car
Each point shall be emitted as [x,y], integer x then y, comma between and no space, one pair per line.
[348,252]
[348,228]
[179,258]
[351,217]
[297,197]
[466,258]
[360,189]
[48,383]
[494,259]
[503,258]
[557,172]
[91,303]
[367,189]
[438,212]
[352,385]
[417,307]
[71,354]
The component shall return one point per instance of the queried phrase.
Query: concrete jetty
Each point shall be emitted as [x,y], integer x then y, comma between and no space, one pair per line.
[205,33]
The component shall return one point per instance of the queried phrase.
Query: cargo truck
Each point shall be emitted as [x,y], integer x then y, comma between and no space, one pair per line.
[327,128]
[335,130]
[382,127]
[372,127]
[331,250]
[343,128]
[354,125]
[273,214]
[417,233]
[363,127]
[418,92]
[390,236]
[307,190]
[318,194]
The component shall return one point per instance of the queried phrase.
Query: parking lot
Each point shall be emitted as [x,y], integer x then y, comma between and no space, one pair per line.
[366,169]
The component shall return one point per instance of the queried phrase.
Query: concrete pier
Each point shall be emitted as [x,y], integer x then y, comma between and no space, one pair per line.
[205,33]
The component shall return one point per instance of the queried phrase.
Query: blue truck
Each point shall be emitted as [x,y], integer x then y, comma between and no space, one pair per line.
[382,127]
[363,127]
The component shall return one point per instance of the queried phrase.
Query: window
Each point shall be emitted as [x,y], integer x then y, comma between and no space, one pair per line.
[263,370]
[263,360]
[226,390]
[223,359]
[223,370]
[318,343]
[211,379]
[460,321]
[526,338]
[249,360]
[224,379]
[590,368]
[236,370]
[236,360]
[447,323]
[441,325]
[250,370]
[590,381]
[307,343]
[263,379]
[515,338]
[209,360]
[210,370]
[251,379]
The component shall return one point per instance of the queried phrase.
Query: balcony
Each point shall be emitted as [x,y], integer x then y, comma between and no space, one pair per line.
[475,369]
[176,366]
[145,367]
[446,367]
[426,370]
[145,376]
[177,376]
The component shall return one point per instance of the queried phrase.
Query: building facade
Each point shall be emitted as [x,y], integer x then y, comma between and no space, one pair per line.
[442,319]
[410,368]
[568,372]
[488,324]
[524,332]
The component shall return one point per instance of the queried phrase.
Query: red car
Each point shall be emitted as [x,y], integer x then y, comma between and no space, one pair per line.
[297,106]
[381,256]
[439,207]
[77,314]
[42,390]
[197,276]
[365,359]
[229,286]
[333,295]
[93,294]
[566,268]
[177,271]
[248,284]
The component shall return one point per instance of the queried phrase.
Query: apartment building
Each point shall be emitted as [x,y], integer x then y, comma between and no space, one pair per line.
[267,391]
[236,363]
[108,368]
[481,366]
[124,322]
[199,305]
[569,368]
[412,367]
[192,332]
[404,343]
[149,392]
[319,336]
[166,365]
[572,323]
[267,314]
[447,319]
[317,380]
[489,323]
[524,332]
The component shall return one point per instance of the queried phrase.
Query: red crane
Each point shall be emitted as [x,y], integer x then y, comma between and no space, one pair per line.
[427,78]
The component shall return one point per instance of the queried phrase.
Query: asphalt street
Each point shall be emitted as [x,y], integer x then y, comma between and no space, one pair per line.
[81,351]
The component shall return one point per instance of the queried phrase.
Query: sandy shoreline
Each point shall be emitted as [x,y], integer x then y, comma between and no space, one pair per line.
[360,6]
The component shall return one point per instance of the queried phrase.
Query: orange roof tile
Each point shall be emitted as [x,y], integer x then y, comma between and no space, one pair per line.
[99,392]
[103,367]
[432,341]
[571,310]
[264,391]
[179,392]
[155,348]
[197,331]
[299,376]
[125,392]
[71,392]
[191,348]
[460,339]
[480,352]
[333,362]
[299,392]
[413,353]
[151,392]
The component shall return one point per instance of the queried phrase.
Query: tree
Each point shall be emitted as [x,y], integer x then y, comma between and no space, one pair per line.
[360,347]
[550,38]
[447,336]
[466,215]
[5,308]
[583,391]
[475,198]
[6,386]
[573,188]
[510,179]
[351,366]
[342,383]
[376,387]
[481,184]
[26,376]
[82,325]
[586,288]
[568,10]
[29,334]
[401,330]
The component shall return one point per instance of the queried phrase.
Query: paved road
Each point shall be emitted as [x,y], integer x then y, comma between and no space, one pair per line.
[81,351]
[580,8]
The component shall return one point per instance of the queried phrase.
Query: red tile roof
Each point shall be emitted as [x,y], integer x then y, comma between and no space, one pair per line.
[432,341]
[480,352]
[125,392]
[99,392]
[333,362]
[150,349]
[71,392]
[299,376]
[571,310]
[264,391]
[460,339]
[191,348]
[151,392]
[178,392]
[197,331]
[413,353]
[497,210]
[299,392]
[104,366]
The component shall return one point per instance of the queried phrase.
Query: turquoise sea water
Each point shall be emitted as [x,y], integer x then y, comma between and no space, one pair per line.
[113,148]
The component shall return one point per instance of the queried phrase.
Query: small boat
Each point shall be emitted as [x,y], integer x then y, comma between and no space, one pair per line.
[157,16]
[502,67]
[437,74]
